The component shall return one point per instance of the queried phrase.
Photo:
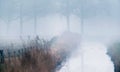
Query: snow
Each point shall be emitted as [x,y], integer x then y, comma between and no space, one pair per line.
[95,59]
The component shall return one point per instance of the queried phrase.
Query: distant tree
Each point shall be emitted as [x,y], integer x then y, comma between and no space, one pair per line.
[65,7]
[7,11]
[40,8]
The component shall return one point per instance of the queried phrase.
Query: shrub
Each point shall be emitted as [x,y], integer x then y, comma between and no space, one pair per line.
[114,53]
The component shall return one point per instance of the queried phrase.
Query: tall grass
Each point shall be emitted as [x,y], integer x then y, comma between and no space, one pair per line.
[40,55]
[37,57]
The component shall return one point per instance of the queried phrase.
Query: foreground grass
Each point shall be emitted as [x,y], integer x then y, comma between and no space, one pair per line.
[37,57]
[41,55]
[35,60]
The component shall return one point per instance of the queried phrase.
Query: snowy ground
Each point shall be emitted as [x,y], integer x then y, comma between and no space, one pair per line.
[95,60]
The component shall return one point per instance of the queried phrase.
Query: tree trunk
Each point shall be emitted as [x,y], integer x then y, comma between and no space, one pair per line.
[35,18]
[68,22]
[8,26]
[8,17]
[21,19]
[82,32]
[68,15]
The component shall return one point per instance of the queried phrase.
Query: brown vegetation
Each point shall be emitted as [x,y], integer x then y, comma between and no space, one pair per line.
[43,56]
[34,60]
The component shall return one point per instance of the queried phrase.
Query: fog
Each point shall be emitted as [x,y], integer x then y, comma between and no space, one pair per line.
[97,21]
[52,25]
[100,18]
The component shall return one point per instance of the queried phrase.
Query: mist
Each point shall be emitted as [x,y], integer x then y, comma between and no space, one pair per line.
[97,22]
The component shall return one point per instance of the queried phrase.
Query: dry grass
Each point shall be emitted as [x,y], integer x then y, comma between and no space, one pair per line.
[33,60]
[43,56]
[36,59]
